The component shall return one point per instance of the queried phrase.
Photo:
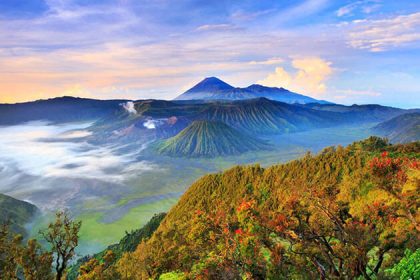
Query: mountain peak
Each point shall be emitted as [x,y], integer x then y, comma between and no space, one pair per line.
[212,88]
[210,84]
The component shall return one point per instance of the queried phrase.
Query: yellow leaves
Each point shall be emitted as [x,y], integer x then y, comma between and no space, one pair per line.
[413,182]
[360,206]
[314,205]
[292,234]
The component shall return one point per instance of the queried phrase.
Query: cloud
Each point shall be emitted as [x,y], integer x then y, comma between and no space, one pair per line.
[365,6]
[270,61]
[32,153]
[217,27]
[309,78]
[351,93]
[304,8]
[247,16]
[378,35]
[151,49]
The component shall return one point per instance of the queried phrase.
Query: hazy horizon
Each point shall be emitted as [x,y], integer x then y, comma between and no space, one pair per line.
[122,98]
[343,51]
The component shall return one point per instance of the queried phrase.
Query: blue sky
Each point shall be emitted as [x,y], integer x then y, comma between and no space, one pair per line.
[365,51]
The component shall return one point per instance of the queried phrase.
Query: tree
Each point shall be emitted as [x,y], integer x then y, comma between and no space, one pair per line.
[408,267]
[16,258]
[35,262]
[9,253]
[63,237]
[96,270]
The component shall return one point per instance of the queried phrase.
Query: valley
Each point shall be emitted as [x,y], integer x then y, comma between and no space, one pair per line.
[119,187]
[118,164]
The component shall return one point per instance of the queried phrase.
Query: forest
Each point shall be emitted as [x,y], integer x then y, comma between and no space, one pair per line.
[345,213]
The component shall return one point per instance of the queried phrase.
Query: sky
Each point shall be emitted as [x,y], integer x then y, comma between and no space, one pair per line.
[364,51]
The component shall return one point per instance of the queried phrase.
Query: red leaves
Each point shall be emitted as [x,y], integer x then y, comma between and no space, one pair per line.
[239,231]
[279,223]
[391,171]
[246,205]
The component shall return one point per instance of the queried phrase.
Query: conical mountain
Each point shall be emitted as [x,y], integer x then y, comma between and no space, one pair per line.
[213,88]
[209,84]
[206,89]
[209,139]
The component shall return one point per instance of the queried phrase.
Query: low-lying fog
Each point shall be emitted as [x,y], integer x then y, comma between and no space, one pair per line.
[53,167]
[117,187]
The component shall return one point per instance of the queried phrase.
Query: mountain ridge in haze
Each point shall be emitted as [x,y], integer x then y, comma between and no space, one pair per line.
[17,213]
[401,129]
[213,88]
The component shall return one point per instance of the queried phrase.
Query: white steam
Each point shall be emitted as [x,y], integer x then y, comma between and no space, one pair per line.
[129,107]
[150,124]
[153,123]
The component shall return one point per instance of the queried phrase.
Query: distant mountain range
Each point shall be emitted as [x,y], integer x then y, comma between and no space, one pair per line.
[253,116]
[209,139]
[60,109]
[207,127]
[213,88]
[401,129]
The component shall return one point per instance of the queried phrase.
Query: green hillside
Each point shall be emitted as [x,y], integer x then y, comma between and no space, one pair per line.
[402,129]
[128,243]
[16,212]
[209,139]
[339,214]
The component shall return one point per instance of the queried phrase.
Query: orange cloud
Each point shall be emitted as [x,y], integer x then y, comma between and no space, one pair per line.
[310,76]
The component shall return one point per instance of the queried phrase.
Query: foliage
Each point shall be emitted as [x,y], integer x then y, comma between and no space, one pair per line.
[94,270]
[408,267]
[17,259]
[346,213]
[62,236]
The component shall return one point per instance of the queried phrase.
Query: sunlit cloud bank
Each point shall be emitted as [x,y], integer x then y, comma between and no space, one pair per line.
[309,76]
[155,49]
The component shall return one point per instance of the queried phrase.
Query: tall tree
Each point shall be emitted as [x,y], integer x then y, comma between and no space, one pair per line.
[63,237]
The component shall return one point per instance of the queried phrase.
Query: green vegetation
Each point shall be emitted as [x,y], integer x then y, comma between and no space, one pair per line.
[408,267]
[402,129]
[31,261]
[345,213]
[209,139]
[16,213]
[99,235]
[127,244]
